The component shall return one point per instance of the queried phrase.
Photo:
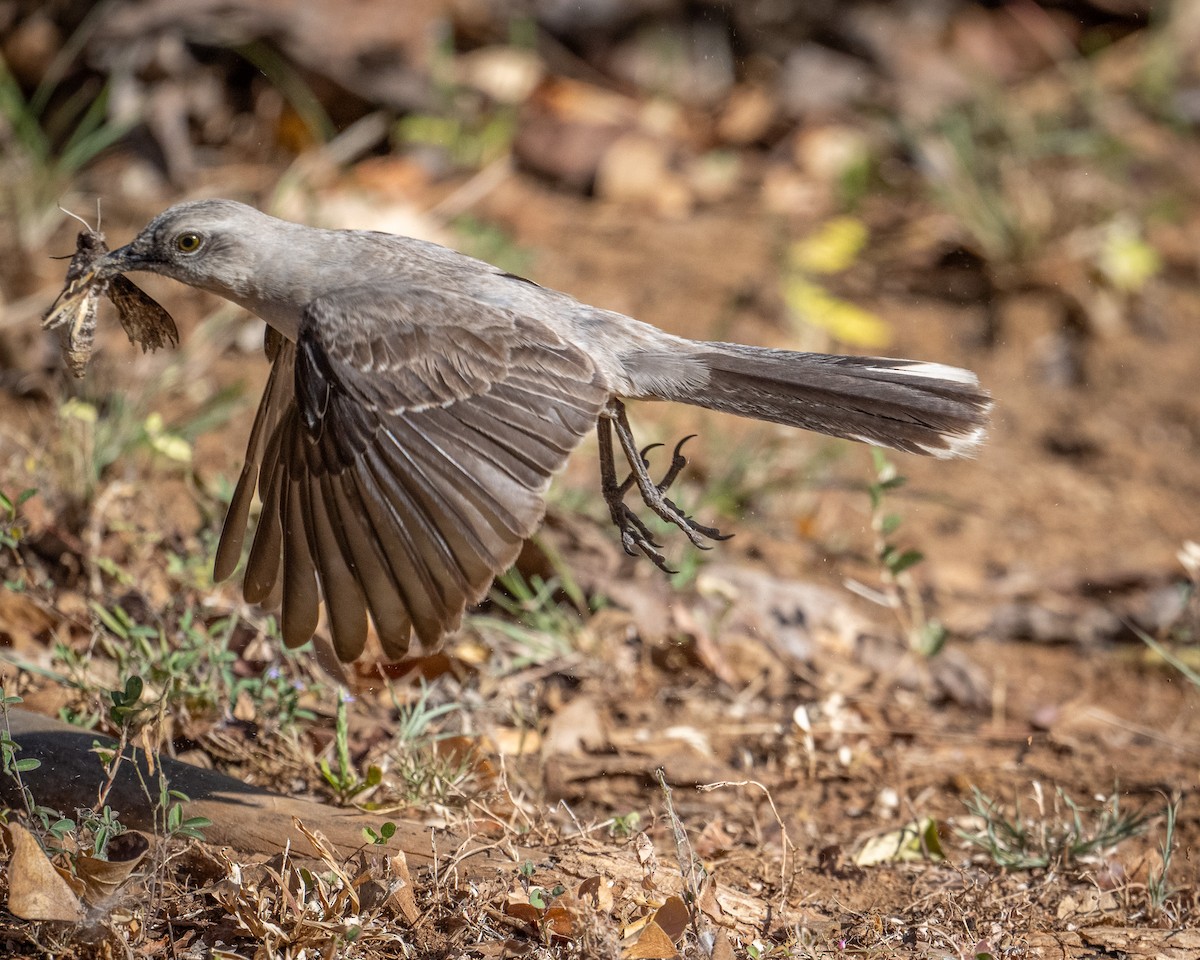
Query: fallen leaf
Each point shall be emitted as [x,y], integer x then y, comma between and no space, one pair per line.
[524,911]
[103,878]
[576,729]
[597,892]
[24,625]
[557,919]
[402,900]
[722,949]
[673,918]
[917,840]
[644,848]
[652,944]
[708,903]
[36,891]
[845,321]
[834,247]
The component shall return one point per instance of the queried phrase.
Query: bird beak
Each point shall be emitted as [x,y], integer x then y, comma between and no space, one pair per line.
[121,260]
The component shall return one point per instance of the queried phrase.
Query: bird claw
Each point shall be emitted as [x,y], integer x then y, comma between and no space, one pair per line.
[635,535]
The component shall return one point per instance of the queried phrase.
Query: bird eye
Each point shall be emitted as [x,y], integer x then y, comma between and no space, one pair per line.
[188,242]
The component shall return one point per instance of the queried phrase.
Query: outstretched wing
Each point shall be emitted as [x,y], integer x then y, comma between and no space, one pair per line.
[402,452]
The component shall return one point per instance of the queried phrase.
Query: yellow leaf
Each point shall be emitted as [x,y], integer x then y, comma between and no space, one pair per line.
[833,248]
[81,410]
[168,444]
[843,320]
[1127,261]
[172,447]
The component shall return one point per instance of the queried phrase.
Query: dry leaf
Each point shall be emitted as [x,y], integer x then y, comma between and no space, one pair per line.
[557,919]
[917,840]
[576,729]
[36,890]
[722,948]
[644,848]
[597,892]
[709,905]
[24,625]
[524,911]
[673,918]
[403,901]
[652,944]
[103,878]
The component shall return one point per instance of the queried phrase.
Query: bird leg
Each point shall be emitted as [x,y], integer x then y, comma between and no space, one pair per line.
[635,535]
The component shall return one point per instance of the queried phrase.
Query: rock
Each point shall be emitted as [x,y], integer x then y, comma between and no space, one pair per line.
[747,116]
[636,169]
[817,80]
[505,74]
[826,152]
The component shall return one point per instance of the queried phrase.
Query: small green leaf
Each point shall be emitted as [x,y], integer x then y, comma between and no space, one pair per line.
[898,563]
[110,620]
[931,638]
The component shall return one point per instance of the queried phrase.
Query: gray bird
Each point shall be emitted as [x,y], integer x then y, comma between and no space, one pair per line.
[420,401]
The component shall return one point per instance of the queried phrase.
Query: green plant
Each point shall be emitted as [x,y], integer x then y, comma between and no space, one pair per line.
[52,135]
[379,837]
[12,526]
[12,532]
[981,161]
[925,634]
[423,771]
[10,764]
[1062,833]
[344,781]
[170,808]
[1159,889]
[99,825]
[540,625]
[110,428]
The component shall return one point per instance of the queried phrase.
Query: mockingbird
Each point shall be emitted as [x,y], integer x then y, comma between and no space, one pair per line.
[419,402]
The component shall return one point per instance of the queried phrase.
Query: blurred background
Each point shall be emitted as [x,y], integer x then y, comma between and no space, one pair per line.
[1008,186]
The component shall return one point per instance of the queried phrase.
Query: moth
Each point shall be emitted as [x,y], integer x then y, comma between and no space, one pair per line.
[73,313]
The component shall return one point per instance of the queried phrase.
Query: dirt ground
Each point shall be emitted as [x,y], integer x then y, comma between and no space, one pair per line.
[733,746]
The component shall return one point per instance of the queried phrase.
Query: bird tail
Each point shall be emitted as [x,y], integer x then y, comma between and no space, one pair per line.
[925,408]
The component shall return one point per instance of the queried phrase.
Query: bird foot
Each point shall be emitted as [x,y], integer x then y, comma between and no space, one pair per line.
[635,535]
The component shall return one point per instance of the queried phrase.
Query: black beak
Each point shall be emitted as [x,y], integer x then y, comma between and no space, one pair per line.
[121,260]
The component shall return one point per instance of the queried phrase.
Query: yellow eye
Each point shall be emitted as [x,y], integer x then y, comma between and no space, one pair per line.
[188,242]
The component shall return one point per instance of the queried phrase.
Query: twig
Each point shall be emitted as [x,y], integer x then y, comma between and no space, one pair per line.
[690,867]
[785,879]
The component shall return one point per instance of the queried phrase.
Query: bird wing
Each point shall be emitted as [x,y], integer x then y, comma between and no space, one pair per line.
[402,451]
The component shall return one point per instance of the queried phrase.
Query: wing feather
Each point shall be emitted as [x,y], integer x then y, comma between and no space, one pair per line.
[298,620]
[274,403]
[402,452]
